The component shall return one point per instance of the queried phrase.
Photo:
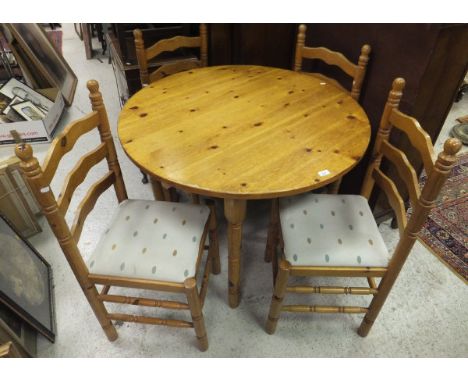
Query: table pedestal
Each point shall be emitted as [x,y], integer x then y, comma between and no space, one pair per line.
[234,211]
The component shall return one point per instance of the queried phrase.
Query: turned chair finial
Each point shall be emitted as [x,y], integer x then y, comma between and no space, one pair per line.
[366,49]
[24,151]
[138,34]
[398,84]
[95,95]
[452,146]
[93,86]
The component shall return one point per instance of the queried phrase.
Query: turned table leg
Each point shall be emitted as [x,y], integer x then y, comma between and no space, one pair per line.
[234,211]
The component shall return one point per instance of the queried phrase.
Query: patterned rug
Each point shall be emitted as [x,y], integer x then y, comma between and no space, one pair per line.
[446,230]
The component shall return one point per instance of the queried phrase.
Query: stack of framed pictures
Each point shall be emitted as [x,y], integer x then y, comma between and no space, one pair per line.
[25,287]
[32,107]
[18,102]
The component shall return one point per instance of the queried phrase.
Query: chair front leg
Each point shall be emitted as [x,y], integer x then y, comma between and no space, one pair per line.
[278,295]
[100,311]
[196,313]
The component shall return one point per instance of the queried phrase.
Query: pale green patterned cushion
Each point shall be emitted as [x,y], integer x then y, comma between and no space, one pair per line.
[331,230]
[151,240]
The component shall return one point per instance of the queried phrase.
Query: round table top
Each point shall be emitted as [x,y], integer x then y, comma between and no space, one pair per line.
[244,132]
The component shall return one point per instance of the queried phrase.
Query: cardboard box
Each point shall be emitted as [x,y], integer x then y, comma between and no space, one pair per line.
[40,131]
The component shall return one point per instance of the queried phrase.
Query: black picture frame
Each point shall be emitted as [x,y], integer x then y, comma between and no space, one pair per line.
[36,304]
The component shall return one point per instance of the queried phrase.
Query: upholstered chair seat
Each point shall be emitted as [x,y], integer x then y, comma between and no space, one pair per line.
[151,240]
[331,230]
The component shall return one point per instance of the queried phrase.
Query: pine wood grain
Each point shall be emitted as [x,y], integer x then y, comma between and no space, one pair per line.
[225,131]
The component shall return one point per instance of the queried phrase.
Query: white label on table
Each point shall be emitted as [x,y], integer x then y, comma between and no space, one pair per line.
[324,172]
[45,189]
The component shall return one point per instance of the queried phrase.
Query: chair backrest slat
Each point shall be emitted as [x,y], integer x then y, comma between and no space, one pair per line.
[88,202]
[416,135]
[78,174]
[169,45]
[331,58]
[356,71]
[64,142]
[394,198]
[404,168]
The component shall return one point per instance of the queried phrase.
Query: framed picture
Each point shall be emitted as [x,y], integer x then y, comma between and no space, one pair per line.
[14,88]
[12,102]
[4,119]
[4,102]
[26,281]
[34,41]
[28,111]
[13,116]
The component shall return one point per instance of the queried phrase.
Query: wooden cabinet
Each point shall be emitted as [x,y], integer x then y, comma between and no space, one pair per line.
[252,44]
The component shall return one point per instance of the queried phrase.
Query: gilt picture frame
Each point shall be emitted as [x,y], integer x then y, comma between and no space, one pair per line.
[26,281]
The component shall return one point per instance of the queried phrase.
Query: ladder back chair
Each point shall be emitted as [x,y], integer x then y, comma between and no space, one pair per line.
[356,71]
[144,55]
[337,236]
[148,245]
